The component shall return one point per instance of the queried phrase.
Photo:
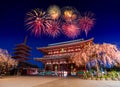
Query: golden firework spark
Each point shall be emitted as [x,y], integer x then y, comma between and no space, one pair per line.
[69,13]
[54,12]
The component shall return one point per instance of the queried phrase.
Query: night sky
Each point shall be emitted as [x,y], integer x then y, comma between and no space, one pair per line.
[13,31]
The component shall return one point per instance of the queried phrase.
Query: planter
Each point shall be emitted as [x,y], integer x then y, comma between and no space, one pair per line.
[115,79]
[92,78]
[97,78]
[88,78]
[108,78]
[118,78]
[102,78]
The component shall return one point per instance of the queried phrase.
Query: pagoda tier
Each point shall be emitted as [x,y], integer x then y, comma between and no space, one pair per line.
[23,45]
[20,57]
[22,48]
[22,53]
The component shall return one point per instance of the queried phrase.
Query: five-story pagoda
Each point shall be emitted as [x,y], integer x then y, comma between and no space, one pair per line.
[22,52]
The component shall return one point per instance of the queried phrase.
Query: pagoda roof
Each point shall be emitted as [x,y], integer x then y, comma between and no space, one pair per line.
[21,48]
[20,57]
[21,53]
[63,44]
[23,45]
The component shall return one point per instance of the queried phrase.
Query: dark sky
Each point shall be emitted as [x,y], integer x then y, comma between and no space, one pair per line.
[12,29]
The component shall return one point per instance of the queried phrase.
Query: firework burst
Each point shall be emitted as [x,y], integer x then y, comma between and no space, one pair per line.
[87,22]
[36,21]
[54,12]
[54,28]
[70,30]
[69,14]
[68,19]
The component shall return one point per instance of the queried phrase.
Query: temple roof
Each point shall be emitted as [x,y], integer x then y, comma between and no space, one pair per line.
[53,57]
[28,64]
[66,43]
[39,59]
[66,55]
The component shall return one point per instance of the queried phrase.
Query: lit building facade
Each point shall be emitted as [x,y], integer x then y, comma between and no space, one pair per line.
[57,56]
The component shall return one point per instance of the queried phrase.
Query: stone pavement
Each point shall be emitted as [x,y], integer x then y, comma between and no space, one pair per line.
[37,81]
[24,81]
[76,82]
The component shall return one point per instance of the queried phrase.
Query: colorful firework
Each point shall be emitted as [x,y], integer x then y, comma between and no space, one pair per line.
[39,22]
[54,28]
[69,14]
[54,12]
[70,30]
[87,22]
[36,21]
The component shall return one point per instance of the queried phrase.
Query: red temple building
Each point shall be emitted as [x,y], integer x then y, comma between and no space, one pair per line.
[57,56]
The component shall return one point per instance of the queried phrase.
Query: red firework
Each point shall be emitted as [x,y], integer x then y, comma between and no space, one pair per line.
[54,28]
[70,30]
[36,21]
[86,22]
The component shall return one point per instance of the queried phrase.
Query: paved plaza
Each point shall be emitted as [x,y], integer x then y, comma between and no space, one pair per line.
[37,81]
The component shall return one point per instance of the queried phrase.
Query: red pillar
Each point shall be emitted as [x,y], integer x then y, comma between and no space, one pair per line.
[45,66]
[51,66]
[59,68]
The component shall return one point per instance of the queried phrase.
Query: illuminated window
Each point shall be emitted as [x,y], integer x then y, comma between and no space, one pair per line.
[62,50]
